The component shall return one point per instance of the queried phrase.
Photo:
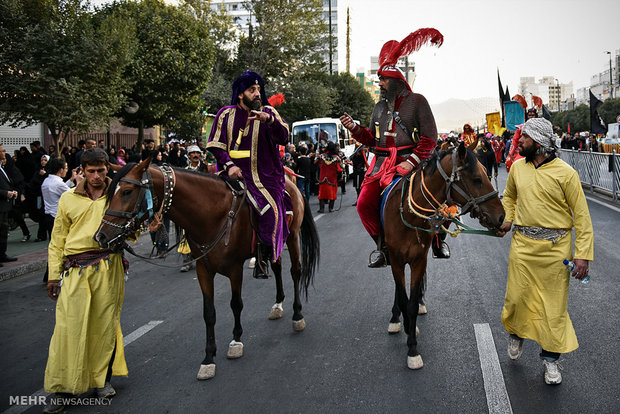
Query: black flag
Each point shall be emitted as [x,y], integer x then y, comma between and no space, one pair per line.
[546,114]
[502,98]
[597,126]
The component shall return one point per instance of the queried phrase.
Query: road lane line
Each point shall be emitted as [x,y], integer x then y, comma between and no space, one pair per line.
[127,339]
[494,386]
[594,200]
[139,332]
[318,217]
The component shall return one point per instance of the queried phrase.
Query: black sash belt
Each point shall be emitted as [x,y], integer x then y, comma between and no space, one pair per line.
[382,153]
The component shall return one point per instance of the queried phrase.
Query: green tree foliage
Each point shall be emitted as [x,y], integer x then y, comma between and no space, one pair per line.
[579,119]
[610,110]
[60,65]
[305,98]
[350,97]
[289,37]
[171,67]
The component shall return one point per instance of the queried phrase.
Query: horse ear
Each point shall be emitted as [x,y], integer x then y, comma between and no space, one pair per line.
[145,164]
[462,150]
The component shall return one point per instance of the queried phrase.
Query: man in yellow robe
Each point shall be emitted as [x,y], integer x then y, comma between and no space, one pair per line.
[544,201]
[88,285]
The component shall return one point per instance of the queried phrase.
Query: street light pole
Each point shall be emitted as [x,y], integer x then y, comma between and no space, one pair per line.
[611,82]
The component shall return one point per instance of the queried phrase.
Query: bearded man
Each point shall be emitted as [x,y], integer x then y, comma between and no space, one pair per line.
[544,200]
[244,139]
[404,134]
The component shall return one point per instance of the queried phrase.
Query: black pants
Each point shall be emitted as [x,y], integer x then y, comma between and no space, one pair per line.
[48,221]
[4,232]
[546,355]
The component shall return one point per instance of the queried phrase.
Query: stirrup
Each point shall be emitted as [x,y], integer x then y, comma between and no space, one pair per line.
[381,261]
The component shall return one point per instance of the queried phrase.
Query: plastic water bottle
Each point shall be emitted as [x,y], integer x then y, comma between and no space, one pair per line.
[571,268]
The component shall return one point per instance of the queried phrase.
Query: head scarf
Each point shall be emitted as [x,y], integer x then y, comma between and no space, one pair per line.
[243,82]
[541,131]
[193,148]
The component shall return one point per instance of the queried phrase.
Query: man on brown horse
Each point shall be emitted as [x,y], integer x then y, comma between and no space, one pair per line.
[244,139]
[404,135]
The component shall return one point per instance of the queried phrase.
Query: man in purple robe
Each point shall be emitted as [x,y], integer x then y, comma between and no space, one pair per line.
[244,139]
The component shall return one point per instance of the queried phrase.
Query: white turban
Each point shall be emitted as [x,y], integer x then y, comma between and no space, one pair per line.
[541,131]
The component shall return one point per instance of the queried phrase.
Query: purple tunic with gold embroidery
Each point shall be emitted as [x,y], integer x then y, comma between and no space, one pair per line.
[253,147]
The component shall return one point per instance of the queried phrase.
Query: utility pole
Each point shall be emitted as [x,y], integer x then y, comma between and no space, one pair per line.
[348,43]
[331,51]
[611,81]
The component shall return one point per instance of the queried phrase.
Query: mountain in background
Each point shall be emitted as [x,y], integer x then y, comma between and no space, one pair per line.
[452,114]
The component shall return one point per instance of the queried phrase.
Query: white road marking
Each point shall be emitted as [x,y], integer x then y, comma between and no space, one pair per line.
[139,332]
[594,200]
[127,339]
[318,217]
[494,386]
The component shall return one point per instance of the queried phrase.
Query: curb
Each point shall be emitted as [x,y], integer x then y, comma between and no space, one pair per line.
[22,269]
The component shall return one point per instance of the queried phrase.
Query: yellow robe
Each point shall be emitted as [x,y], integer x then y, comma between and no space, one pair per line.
[535,306]
[89,303]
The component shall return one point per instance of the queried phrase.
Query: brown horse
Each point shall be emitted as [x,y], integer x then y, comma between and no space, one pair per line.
[217,219]
[412,214]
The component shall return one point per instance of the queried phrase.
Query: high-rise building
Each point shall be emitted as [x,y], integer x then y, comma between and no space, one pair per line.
[242,19]
[548,88]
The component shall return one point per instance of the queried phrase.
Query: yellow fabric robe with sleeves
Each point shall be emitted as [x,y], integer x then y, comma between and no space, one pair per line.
[89,304]
[535,305]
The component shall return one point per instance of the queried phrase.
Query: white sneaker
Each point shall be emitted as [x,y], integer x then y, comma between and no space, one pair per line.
[515,348]
[553,375]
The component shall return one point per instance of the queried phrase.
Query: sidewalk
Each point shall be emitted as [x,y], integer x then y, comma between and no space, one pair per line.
[31,256]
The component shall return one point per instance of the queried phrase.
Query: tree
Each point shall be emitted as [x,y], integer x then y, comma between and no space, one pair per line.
[289,37]
[171,66]
[350,97]
[610,110]
[579,119]
[60,65]
[304,99]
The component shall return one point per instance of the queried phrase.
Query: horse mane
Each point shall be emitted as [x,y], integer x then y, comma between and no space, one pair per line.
[430,165]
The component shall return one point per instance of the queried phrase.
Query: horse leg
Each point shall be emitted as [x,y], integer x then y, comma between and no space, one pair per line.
[277,310]
[395,325]
[235,348]
[400,300]
[422,308]
[205,279]
[414,359]
[299,323]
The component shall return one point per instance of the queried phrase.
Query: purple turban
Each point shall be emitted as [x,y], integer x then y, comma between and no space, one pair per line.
[243,82]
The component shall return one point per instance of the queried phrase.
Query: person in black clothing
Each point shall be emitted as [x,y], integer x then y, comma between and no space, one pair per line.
[26,163]
[7,196]
[304,168]
[34,200]
[486,156]
[359,170]
[18,183]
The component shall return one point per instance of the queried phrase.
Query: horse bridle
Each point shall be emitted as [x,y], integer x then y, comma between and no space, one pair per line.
[451,183]
[144,204]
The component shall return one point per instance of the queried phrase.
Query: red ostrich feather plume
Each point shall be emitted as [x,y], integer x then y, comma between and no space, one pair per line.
[276,100]
[393,50]
[521,100]
[537,100]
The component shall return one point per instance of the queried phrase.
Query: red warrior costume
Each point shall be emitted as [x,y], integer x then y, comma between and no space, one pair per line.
[403,130]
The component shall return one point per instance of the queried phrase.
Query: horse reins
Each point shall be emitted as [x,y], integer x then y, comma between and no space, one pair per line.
[443,212]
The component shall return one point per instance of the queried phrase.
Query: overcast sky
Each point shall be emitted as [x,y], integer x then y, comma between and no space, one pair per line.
[565,39]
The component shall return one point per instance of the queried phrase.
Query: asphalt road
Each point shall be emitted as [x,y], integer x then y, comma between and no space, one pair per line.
[344,361]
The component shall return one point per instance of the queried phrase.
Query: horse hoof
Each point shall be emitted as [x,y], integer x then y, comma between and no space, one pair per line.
[415,362]
[206,372]
[394,327]
[276,311]
[422,309]
[235,350]
[252,263]
[299,325]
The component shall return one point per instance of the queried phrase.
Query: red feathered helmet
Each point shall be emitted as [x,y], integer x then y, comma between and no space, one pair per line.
[393,50]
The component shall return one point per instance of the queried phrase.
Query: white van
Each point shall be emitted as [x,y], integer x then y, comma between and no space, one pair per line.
[311,130]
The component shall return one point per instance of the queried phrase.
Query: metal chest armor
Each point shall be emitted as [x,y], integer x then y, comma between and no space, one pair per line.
[382,121]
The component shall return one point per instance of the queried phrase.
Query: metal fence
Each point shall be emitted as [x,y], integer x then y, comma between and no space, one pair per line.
[599,171]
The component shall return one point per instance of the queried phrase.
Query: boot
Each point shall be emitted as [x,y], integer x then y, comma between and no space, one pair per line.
[331,205]
[440,247]
[358,196]
[261,269]
[382,259]
[321,207]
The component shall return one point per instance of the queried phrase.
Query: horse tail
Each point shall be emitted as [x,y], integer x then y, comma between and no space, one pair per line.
[310,249]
